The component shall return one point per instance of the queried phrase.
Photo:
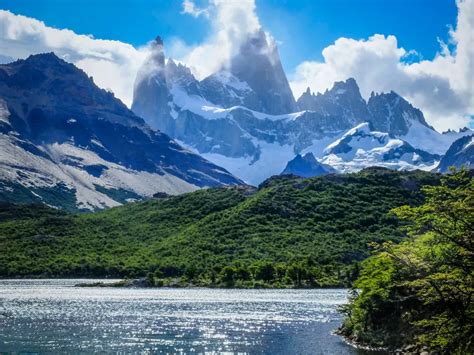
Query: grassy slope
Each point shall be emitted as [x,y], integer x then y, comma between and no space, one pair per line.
[290,232]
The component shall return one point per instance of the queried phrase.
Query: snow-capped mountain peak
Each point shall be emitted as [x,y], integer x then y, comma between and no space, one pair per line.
[244,118]
[392,113]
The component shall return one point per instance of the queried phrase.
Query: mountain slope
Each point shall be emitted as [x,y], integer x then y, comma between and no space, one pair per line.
[460,154]
[315,228]
[61,132]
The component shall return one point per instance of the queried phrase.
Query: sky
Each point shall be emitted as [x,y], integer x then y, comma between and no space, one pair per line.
[420,48]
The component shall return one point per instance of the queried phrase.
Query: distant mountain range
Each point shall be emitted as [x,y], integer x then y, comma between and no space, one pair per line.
[245,119]
[67,143]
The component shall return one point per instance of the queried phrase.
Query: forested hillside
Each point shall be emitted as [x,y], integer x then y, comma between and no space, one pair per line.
[290,232]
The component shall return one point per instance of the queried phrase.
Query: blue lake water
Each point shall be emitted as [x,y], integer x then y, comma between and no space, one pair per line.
[54,316]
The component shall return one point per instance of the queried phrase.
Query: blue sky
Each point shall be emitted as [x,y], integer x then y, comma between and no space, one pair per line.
[302,27]
[423,49]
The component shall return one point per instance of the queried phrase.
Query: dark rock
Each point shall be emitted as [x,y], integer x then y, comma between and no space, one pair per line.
[306,166]
[460,154]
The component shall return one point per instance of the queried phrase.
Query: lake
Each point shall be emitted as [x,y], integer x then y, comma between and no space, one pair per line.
[55,316]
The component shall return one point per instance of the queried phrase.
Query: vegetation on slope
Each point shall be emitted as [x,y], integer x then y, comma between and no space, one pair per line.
[291,232]
[421,291]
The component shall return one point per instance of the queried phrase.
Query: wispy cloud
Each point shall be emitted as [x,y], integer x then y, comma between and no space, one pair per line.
[190,8]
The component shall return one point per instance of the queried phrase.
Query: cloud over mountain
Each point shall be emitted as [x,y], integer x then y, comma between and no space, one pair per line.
[112,64]
[232,23]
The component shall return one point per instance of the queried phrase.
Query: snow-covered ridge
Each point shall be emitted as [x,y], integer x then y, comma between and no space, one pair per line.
[360,148]
[202,107]
[422,137]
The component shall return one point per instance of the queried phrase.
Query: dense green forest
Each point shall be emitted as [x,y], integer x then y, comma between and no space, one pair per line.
[421,291]
[290,232]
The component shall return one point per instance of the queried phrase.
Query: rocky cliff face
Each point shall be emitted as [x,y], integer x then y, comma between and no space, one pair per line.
[343,101]
[151,93]
[58,129]
[258,64]
[393,114]
[387,112]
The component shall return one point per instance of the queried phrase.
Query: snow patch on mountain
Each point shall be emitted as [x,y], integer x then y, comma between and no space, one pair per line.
[227,79]
[272,160]
[422,137]
[361,147]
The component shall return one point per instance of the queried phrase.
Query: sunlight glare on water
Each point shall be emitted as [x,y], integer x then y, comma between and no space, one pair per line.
[52,315]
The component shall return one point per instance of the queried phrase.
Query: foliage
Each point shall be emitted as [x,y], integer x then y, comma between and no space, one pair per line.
[290,232]
[421,291]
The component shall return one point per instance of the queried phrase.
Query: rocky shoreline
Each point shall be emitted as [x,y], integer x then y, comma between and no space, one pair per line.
[409,349]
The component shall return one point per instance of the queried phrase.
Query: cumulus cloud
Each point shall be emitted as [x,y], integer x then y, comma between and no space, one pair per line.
[443,88]
[112,64]
[232,22]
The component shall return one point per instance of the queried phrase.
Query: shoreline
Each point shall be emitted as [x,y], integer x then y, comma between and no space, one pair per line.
[142,283]
[357,345]
[173,283]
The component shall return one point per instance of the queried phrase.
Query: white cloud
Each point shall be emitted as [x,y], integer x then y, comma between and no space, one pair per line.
[443,88]
[232,22]
[190,8]
[113,64]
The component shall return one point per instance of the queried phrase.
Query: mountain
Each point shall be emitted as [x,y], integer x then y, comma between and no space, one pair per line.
[392,114]
[362,147]
[257,63]
[343,101]
[461,153]
[244,119]
[67,143]
[306,166]
[288,232]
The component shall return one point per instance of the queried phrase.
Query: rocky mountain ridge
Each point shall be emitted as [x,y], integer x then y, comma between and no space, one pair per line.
[66,142]
[232,122]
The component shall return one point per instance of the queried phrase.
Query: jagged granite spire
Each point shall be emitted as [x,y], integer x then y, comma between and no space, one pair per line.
[343,101]
[151,94]
[393,114]
[258,64]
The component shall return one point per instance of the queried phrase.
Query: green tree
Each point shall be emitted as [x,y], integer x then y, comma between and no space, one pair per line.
[421,291]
